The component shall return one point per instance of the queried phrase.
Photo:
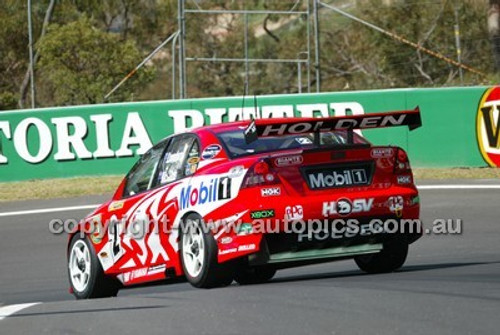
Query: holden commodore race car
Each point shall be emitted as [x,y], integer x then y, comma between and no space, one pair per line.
[241,200]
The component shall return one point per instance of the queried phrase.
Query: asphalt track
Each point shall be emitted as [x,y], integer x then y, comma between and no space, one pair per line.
[449,285]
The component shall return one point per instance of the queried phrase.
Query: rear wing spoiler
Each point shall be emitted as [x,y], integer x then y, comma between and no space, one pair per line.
[295,126]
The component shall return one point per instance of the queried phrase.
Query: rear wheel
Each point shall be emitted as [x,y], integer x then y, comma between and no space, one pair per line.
[86,276]
[199,256]
[256,275]
[391,258]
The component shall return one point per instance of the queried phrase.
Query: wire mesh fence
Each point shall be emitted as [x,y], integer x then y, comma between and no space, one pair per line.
[353,56]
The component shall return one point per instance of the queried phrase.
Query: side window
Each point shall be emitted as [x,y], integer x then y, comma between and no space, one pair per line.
[180,160]
[141,177]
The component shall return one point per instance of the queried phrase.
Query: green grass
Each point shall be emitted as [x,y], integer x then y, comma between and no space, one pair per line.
[457,173]
[58,188]
[73,187]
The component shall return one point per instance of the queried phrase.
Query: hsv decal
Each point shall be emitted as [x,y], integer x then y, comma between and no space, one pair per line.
[346,207]
[488,126]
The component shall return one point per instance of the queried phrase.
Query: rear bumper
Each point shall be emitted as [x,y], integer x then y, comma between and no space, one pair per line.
[336,225]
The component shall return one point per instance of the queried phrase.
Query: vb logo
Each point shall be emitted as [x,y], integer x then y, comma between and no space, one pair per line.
[488,126]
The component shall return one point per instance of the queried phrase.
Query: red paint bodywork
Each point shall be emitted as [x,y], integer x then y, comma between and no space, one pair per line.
[162,252]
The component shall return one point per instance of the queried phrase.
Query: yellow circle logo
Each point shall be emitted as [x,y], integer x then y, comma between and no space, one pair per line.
[488,126]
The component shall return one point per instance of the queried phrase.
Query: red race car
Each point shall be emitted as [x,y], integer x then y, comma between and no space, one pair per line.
[241,200]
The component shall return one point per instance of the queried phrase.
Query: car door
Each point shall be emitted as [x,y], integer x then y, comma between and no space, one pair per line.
[140,240]
[128,222]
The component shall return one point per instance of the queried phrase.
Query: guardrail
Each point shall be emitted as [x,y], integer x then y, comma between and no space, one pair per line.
[461,128]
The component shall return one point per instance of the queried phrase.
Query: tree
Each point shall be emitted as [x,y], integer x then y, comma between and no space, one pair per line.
[494,30]
[13,50]
[357,57]
[81,63]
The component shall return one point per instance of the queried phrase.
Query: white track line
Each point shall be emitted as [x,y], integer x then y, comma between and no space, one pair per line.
[5,311]
[458,187]
[48,210]
[420,187]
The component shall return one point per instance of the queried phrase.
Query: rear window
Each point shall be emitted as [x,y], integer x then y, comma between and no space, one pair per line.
[234,142]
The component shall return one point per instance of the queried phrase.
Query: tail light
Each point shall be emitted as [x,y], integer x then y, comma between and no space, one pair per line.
[260,174]
[401,163]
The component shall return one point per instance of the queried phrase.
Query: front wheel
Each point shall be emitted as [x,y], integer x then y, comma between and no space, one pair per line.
[86,276]
[199,256]
[391,258]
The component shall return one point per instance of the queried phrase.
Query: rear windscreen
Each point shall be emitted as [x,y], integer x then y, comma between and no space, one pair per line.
[234,142]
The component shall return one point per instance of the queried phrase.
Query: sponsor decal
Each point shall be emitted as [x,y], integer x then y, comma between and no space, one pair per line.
[415,200]
[227,251]
[263,214]
[289,160]
[396,205]
[236,171]
[345,206]
[336,177]
[270,191]
[116,205]
[226,240]
[404,180]
[104,254]
[488,126]
[382,152]
[193,160]
[214,190]
[135,274]
[156,269]
[304,140]
[98,233]
[294,212]
[143,272]
[348,122]
[246,247]
[245,229]
[211,151]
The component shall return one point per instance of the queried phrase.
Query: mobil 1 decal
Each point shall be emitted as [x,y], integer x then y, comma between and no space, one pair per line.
[206,192]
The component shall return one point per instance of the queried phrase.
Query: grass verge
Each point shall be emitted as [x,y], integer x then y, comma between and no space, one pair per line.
[58,188]
[457,173]
[73,187]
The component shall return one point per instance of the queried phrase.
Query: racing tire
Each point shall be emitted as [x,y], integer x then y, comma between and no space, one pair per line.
[86,276]
[391,258]
[256,275]
[198,253]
